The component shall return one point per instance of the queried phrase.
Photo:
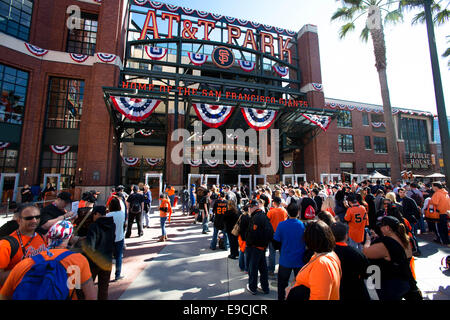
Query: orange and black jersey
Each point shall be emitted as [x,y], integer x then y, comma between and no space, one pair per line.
[219,209]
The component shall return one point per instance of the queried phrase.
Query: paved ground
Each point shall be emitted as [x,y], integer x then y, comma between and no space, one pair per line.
[184,268]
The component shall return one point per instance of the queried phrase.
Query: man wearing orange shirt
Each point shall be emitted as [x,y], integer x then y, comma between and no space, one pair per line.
[23,243]
[357,219]
[171,193]
[58,239]
[275,215]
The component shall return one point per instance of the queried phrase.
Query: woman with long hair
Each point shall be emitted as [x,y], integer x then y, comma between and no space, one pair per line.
[230,219]
[391,252]
[328,205]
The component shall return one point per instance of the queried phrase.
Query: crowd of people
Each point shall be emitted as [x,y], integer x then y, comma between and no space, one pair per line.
[327,235]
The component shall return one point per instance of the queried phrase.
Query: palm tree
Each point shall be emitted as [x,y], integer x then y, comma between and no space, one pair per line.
[375,10]
[440,13]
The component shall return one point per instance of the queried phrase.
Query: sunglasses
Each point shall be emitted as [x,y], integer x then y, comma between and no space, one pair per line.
[31,218]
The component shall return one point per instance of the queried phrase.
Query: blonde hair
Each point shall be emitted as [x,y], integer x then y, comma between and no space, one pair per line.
[328,203]
[298,193]
[391,196]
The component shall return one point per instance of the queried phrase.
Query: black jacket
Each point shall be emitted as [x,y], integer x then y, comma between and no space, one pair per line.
[260,231]
[410,210]
[370,199]
[243,226]
[354,270]
[219,209]
[99,243]
[230,219]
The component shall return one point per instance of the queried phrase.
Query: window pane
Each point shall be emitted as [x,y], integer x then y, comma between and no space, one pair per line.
[12,15]
[344,119]
[13,91]
[83,40]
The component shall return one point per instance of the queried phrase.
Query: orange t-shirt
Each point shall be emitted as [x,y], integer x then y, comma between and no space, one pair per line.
[322,275]
[36,246]
[75,259]
[276,215]
[357,221]
[171,191]
[242,244]
[165,204]
[330,210]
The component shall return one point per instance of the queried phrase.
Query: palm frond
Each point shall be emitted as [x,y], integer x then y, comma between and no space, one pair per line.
[364,36]
[353,2]
[418,18]
[446,53]
[345,29]
[393,16]
[442,16]
[343,13]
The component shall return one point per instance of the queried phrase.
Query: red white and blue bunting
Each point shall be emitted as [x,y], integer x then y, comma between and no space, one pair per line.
[106,57]
[378,124]
[197,58]
[333,105]
[59,149]
[323,122]
[212,16]
[39,52]
[286,164]
[4,145]
[195,163]
[212,115]
[152,161]
[212,163]
[129,161]
[155,53]
[80,58]
[146,133]
[247,66]
[231,163]
[135,109]
[317,86]
[247,164]
[259,119]
[281,71]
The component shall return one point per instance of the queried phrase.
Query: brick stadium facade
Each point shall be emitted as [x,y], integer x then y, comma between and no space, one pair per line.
[53,98]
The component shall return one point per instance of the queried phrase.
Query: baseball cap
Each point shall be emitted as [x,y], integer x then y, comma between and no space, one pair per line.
[94,192]
[65,196]
[253,203]
[120,187]
[390,221]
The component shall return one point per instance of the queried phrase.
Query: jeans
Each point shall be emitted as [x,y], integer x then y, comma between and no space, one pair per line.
[172,199]
[284,273]
[118,255]
[213,244]
[205,220]
[272,258]
[185,207]
[163,225]
[357,246]
[243,265]
[257,263]
[131,218]
[442,228]
[234,244]
[145,215]
[103,281]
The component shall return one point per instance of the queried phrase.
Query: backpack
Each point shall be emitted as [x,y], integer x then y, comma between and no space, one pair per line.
[310,213]
[14,244]
[135,206]
[221,241]
[46,280]
[259,235]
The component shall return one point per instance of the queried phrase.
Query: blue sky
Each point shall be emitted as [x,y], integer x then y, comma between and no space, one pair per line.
[348,65]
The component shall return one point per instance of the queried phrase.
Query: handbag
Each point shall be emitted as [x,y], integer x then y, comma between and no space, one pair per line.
[237,227]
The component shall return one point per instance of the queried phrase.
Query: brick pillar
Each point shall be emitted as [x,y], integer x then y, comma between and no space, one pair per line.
[316,152]
[97,149]
[174,172]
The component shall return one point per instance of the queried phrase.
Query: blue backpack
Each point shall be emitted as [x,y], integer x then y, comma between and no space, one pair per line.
[46,280]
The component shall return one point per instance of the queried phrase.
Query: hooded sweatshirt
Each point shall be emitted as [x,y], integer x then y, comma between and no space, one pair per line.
[99,243]
[441,201]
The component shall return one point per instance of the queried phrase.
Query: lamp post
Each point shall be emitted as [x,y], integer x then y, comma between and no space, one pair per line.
[438,92]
